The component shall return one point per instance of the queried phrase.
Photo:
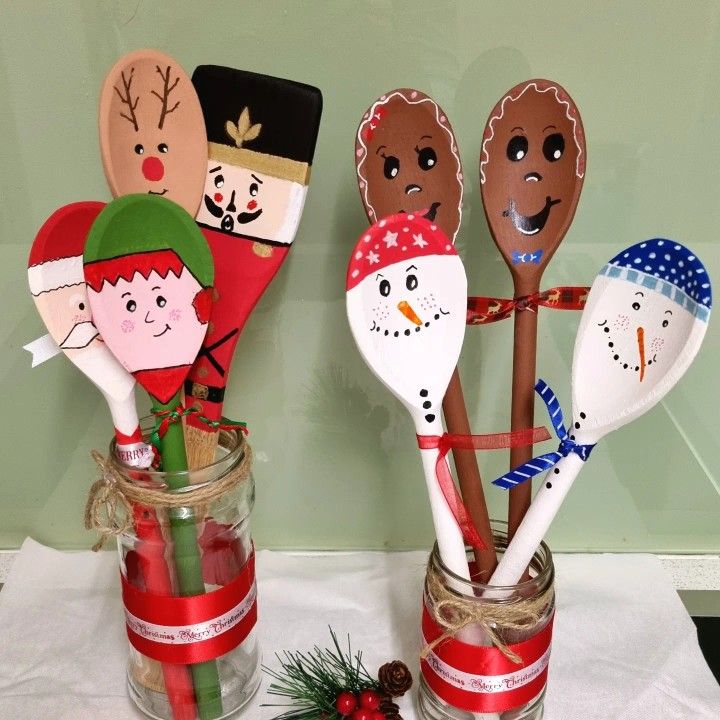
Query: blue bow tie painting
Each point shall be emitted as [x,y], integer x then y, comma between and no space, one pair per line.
[519,258]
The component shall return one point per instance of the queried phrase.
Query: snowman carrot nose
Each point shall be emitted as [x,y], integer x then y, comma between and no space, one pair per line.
[641,348]
[408,312]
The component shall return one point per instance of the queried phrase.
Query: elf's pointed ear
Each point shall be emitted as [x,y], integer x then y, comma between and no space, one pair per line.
[203,305]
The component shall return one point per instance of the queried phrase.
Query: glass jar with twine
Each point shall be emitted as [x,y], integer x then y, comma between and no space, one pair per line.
[486,648]
[191,655]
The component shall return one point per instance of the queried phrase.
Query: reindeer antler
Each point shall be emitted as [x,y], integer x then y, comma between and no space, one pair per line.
[127,98]
[167,89]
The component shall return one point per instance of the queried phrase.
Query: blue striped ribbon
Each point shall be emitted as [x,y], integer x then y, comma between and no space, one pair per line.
[544,462]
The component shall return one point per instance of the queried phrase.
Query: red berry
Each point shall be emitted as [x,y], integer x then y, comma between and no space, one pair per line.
[363,714]
[369,699]
[378,715]
[345,703]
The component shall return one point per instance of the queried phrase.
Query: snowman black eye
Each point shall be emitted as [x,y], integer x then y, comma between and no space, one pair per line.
[219,181]
[384,288]
[517,148]
[162,147]
[553,147]
[636,306]
[411,282]
[130,306]
[427,159]
[139,149]
[391,167]
[665,323]
[161,301]
[81,306]
[254,189]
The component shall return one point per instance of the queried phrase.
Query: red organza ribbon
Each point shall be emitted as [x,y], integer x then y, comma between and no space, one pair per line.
[482,679]
[495,441]
[484,310]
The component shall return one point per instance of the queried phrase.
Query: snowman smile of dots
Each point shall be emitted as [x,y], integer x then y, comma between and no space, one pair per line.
[407,294]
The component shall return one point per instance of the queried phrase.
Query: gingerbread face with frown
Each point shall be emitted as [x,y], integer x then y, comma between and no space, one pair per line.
[532,166]
[407,160]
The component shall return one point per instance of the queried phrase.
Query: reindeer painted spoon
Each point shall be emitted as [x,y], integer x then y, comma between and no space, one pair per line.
[644,322]
[532,166]
[261,134]
[152,134]
[407,160]
[149,274]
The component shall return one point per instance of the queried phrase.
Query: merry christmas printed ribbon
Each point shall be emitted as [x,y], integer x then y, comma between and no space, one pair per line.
[483,679]
[544,462]
[188,630]
[495,441]
[484,310]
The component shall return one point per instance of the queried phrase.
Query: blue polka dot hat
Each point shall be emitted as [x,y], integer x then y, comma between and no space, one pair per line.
[670,269]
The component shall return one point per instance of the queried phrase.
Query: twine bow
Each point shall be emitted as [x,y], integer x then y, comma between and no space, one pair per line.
[453,613]
[544,462]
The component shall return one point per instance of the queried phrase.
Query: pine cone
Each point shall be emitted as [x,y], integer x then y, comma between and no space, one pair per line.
[390,709]
[395,678]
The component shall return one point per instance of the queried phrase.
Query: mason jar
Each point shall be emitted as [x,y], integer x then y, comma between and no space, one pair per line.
[486,648]
[194,655]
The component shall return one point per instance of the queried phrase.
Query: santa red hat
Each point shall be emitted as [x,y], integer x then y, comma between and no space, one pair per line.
[394,239]
[56,256]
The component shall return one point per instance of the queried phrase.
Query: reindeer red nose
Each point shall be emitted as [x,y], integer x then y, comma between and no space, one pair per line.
[152,168]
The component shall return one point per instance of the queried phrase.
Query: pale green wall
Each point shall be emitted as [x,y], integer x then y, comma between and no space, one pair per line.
[336,462]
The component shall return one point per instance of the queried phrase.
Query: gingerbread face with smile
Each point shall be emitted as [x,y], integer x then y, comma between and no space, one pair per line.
[532,166]
[407,160]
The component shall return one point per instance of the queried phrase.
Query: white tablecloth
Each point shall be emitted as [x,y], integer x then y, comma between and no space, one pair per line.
[624,647]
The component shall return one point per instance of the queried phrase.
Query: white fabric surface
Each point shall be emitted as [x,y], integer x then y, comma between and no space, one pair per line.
[624,646]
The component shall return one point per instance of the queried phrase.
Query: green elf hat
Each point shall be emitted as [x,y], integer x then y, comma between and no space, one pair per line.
[142,233]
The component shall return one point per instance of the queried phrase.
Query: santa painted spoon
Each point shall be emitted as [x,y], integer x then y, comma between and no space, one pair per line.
[152,134]
[149,274]
[406,302]
[407,160]
[261,133]
[57,283]
[645,319]
[532,165]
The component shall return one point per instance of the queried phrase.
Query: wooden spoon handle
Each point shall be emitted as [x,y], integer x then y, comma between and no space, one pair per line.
[456,419]
[522,413]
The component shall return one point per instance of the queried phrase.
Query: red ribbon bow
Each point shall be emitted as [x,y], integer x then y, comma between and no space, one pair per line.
[494,441]
[484,310]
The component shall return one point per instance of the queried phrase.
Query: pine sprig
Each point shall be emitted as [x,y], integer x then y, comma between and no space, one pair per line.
[313,681]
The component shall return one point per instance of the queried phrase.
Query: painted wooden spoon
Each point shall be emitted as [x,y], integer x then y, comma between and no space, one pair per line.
[149,274]
[55,274]
[407,160]
[532,166]
[406,303]
[152,134]
[261,134]
[645,319]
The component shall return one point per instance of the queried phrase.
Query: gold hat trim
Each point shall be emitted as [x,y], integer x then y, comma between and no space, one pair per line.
[272,165]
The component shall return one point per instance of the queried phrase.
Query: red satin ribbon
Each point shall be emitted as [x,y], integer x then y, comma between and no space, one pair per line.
[173,612]
[495,441]
[484,310]
[482,679]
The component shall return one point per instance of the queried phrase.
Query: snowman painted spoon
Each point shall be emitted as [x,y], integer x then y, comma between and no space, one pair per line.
[645,319]
[149,273]
[532,166]
[152,133]
[407,160]
[406,302]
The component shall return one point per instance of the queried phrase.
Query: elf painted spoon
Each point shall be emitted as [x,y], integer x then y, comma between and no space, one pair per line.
[407,160]
[406,300]
[152,134]
[645,319]
[149,274]
[261,133]
[532,166]
[57,283]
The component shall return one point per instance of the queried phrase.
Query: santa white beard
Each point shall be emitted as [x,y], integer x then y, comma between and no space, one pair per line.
[114,382]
